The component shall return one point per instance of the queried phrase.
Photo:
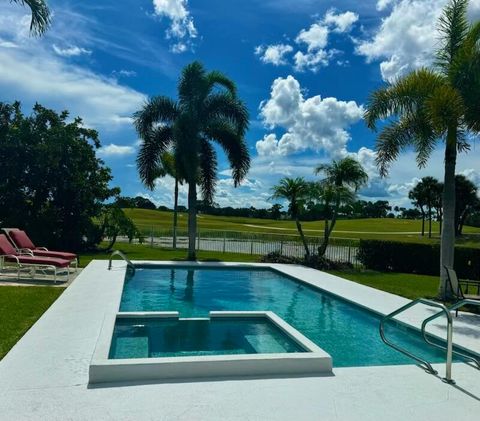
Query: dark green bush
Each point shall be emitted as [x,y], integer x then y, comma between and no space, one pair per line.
[416,258]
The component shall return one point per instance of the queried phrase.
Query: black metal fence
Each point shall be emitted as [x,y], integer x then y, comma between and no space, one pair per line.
[254,243]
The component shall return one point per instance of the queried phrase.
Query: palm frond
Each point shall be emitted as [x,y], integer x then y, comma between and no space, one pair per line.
[233,145]
[41,16]
[453,27]
[208,171]
[393,138]
[149,162]
[159,110]
[405,96]
[295,190]
[192,86]
[224,106]
[217,78]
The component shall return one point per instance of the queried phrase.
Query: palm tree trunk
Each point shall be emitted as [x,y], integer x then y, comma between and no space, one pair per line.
[175,214]
[429,222]
[192,220]
[302,236]
[423,223]
[447,245]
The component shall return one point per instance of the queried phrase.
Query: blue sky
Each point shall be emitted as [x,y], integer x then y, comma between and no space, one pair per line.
[304,68]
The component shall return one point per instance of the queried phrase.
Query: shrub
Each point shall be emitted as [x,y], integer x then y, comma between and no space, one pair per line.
[416,258]
[313,261]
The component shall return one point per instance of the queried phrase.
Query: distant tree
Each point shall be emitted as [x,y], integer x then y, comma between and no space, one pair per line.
[144,203]
[342,180]
[40,15]
[466,202]
[435,104]
[276,211]
[296,191]
[418,197]
[208,110]
[52,184]
[115,223]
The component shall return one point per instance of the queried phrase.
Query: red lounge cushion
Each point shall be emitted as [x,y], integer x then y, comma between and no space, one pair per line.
[58,254]
[5,246]
[59,263]
[20,238]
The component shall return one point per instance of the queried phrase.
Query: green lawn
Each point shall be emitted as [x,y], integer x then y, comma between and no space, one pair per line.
[403,284]
[145,252]
[385,228]
[20,308]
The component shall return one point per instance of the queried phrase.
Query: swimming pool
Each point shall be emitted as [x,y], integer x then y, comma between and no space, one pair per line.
[347,332]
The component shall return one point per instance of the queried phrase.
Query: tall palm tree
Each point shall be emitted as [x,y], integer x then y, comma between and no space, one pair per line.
[296,191]
[432,104]
[342,180]
[207,110]
[170,168]
[40,20]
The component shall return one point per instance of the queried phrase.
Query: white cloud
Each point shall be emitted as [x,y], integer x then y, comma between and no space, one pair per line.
[113,150]
[314,123]
[33,72]
[341,22]
[182,28]
[312,52]
[71,51]
[274,54]
[407,37]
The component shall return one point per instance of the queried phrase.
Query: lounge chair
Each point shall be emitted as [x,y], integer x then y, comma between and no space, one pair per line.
[456,286]
[22,243]
[9,257]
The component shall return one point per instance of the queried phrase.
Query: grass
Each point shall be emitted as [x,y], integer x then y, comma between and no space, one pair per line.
[406,285]
[20,308]
[144,252]
[385,228]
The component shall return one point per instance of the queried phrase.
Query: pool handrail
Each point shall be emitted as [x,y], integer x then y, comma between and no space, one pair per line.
[454,307]
[423,363]
[123,256]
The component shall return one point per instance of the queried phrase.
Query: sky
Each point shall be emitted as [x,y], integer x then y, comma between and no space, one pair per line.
[304,68]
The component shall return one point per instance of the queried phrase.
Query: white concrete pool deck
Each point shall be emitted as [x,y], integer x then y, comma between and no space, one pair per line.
[45,375]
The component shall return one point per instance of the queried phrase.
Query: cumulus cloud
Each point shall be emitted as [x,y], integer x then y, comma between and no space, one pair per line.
[71,51]
[273,54]
[314,123]
[341,22]
[182,28]
[115,150]
[312,52]
[407,37]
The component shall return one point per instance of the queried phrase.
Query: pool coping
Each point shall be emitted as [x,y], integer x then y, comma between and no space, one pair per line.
[314,361]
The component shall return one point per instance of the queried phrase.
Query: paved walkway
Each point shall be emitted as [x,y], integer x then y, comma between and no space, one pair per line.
[45,375]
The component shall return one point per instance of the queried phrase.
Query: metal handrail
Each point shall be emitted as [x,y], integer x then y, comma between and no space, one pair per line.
[123,256]
[476,361]
[423,363]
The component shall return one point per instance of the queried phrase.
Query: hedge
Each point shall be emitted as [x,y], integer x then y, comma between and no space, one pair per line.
[416,258]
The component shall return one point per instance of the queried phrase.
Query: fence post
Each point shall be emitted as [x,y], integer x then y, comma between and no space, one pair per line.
[281,247]
[151,237]
[349,253]
[224,241]
[198,240]
[251,248]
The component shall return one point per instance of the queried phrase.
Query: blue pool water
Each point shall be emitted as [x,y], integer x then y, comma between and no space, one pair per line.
[347,332]
[150,338]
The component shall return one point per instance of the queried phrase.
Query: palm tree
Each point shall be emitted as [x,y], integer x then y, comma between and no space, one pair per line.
[170,168]
[417,196]
[342,180]
[296,191]
[40,20]
[432,104]
[207,110]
